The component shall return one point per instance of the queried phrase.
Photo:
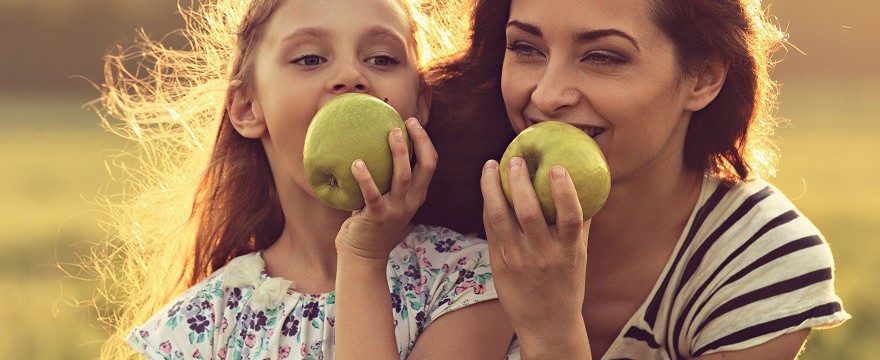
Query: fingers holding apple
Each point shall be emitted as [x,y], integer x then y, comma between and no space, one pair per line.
[402,178]
[426,164]
[374,202]
[525,203]
[498,217]
[569,215]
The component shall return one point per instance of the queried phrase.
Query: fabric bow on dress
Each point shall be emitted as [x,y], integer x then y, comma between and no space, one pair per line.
[247,271]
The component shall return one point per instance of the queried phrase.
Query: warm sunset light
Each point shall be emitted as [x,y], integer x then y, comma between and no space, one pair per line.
[111,114]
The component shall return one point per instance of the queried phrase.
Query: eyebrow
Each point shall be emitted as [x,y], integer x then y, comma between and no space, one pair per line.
[307,32]
[377,31]
[374,31]
[380,31]
[581,37]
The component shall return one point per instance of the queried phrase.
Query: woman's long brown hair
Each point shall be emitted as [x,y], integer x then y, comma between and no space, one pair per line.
[730,138]
[469,122]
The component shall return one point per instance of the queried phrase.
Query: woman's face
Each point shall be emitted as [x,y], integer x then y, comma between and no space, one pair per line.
[314,51]
[603,66]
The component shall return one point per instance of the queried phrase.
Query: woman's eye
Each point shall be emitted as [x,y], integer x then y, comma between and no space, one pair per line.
[382,60]
[523,50]
[309,60]
[604,58]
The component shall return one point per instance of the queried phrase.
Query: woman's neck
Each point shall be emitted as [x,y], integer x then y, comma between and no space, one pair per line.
[644,208]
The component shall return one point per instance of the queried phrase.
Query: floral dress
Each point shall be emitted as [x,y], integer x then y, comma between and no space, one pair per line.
[239,312]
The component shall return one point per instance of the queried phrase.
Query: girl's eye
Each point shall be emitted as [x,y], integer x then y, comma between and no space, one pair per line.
[382,60]
[309,60]
[604,58]
[523,50]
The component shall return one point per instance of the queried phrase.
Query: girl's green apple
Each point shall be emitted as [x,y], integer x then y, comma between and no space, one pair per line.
[349,127]
[550,143]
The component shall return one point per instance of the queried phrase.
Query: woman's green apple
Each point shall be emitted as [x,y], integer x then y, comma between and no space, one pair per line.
[349,127]
[550,143]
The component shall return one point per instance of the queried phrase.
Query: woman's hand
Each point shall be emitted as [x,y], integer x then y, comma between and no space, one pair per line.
[373,231]
[539,270]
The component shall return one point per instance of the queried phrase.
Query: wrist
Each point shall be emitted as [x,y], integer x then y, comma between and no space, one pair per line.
[563,341]
[348,252]
[359,260]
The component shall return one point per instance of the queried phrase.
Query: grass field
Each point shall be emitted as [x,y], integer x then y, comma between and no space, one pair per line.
[54,152]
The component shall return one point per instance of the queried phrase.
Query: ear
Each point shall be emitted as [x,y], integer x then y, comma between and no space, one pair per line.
[707,83]
[244,111]
[423,102]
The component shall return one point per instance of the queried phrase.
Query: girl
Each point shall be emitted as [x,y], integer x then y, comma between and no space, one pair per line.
[693,255]
[274,273]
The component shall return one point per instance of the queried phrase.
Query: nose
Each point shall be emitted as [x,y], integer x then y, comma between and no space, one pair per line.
[555,91]
[349,78]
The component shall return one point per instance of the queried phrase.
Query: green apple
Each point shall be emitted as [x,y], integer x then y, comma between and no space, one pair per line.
[349,127]
[550,143]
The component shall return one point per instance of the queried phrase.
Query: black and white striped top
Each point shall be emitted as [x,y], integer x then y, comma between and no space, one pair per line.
[748,267]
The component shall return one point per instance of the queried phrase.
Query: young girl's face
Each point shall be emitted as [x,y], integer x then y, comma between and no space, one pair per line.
[602,66]
[315,50]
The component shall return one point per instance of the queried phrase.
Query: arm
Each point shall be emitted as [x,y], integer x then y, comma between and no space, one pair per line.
[530,257]
[785,347]
[487,334]
[364,322]
[363,309]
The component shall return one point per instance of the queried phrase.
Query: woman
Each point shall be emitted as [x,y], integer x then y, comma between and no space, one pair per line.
[693,255]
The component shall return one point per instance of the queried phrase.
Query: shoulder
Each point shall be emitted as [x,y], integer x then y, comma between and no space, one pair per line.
[750,229]
[738,213]
[436,241]
[436,250]
[186,324]
[451,270]
[757,268]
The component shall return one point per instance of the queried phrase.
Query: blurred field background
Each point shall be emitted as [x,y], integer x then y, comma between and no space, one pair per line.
[53,155]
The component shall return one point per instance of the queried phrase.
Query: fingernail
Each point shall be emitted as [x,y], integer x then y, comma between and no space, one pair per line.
[359,164]
[557,173]
[415,123]
[490,165]
[515,163]
[398,134]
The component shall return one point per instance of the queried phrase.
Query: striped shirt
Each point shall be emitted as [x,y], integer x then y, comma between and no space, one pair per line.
[747,268]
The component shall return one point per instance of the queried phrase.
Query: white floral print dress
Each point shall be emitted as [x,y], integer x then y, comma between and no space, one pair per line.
[239,312]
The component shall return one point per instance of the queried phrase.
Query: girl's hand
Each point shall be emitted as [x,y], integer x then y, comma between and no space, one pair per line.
[539,270]
[373,231]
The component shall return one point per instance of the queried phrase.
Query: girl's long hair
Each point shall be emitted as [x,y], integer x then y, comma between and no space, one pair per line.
[198,194]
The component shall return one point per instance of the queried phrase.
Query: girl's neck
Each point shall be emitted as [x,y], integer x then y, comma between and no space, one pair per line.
[305,252]
[646,211]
